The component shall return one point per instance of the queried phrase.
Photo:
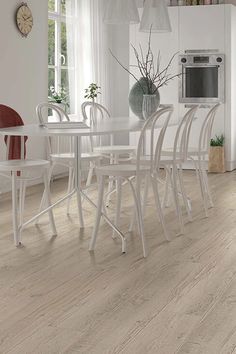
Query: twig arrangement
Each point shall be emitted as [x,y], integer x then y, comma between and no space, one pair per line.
[149,68]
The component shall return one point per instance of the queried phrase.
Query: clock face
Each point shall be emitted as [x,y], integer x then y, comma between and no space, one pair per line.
[24,19]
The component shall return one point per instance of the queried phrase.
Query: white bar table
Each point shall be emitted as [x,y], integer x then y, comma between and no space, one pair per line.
[108,126]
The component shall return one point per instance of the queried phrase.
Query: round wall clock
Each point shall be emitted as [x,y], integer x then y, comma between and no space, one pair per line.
[24,19]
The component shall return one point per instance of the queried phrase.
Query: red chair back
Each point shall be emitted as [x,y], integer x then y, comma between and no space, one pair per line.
[10,118]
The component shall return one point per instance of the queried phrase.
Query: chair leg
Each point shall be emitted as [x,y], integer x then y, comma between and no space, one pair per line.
[22,200]
[183,193]
[70,187]
[203,191]
[205,178]
[113,160]
[16,231]
[159,207]
[201,183]
[145,197]
[41,207]
[137,200]
[80,209]
[132,222]
[99,212]
[109,190]
[90,174]
[48,201]
[176,198]
[118,203]
[145,194]
[165,201]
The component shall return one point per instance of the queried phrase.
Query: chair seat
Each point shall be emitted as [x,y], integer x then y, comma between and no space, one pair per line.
[121,170]
[21,165]
[69,156]
[116,149]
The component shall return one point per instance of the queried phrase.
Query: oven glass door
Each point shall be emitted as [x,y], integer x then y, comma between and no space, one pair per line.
[201,82]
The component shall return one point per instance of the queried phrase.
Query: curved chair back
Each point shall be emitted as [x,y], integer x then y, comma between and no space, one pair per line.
[154,147]
[16,148]
[60,113]
[181,142]
[206,131]
[92,112]
[55,144]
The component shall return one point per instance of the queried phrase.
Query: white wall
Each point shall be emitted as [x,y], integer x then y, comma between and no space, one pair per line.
[23,66]
[118,77]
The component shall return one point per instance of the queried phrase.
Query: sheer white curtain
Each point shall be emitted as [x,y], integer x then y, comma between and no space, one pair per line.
[88,51]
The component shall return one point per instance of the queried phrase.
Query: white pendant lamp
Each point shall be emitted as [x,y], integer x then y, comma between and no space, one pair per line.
[121,12]
[155,17]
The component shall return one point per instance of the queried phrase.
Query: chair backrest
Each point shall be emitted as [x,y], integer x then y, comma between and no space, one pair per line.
[54,144]
[181,142]
[155,147]
[92,112]
[16,148]
[206,131]
[60,113]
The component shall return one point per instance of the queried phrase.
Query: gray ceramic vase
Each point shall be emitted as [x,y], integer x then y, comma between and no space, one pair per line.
[136,97]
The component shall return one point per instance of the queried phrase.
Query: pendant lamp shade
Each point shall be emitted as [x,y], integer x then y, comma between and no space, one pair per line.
[155,17]
[121,12]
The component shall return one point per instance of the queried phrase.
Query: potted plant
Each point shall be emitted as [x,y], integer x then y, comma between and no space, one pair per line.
[144,97]
[59,98]
[92,92]
[216,161]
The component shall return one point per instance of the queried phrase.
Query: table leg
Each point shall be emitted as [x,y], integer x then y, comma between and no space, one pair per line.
[78,170]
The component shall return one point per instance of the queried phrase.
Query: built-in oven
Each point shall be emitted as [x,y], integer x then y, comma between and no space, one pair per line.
[202,79]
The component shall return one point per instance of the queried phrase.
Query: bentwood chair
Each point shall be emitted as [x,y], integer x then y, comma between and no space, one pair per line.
[134,174]
[93,112]
[198,155]
[57,154]
[19,170]
[171,161]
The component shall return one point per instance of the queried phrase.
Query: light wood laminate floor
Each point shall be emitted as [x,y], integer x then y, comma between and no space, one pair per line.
[56,297]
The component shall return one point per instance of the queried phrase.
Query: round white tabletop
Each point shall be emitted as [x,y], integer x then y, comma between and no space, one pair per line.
[106,126]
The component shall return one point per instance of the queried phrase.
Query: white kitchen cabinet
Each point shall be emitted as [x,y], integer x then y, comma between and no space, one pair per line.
[202,27]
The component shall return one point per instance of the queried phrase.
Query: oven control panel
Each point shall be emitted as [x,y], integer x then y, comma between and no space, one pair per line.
[198,59]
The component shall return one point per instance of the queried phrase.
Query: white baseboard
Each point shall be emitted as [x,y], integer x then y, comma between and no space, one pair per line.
[229,165]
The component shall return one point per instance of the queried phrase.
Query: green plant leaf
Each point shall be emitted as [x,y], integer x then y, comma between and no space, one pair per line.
[218,140]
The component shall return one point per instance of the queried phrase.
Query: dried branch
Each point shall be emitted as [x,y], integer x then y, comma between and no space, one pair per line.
[126,69]
[166,81]
[140,64]
[149,69]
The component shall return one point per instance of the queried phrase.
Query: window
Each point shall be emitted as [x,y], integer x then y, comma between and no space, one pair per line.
[61,26]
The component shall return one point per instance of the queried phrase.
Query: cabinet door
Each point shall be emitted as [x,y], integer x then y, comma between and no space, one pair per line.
[202,27]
